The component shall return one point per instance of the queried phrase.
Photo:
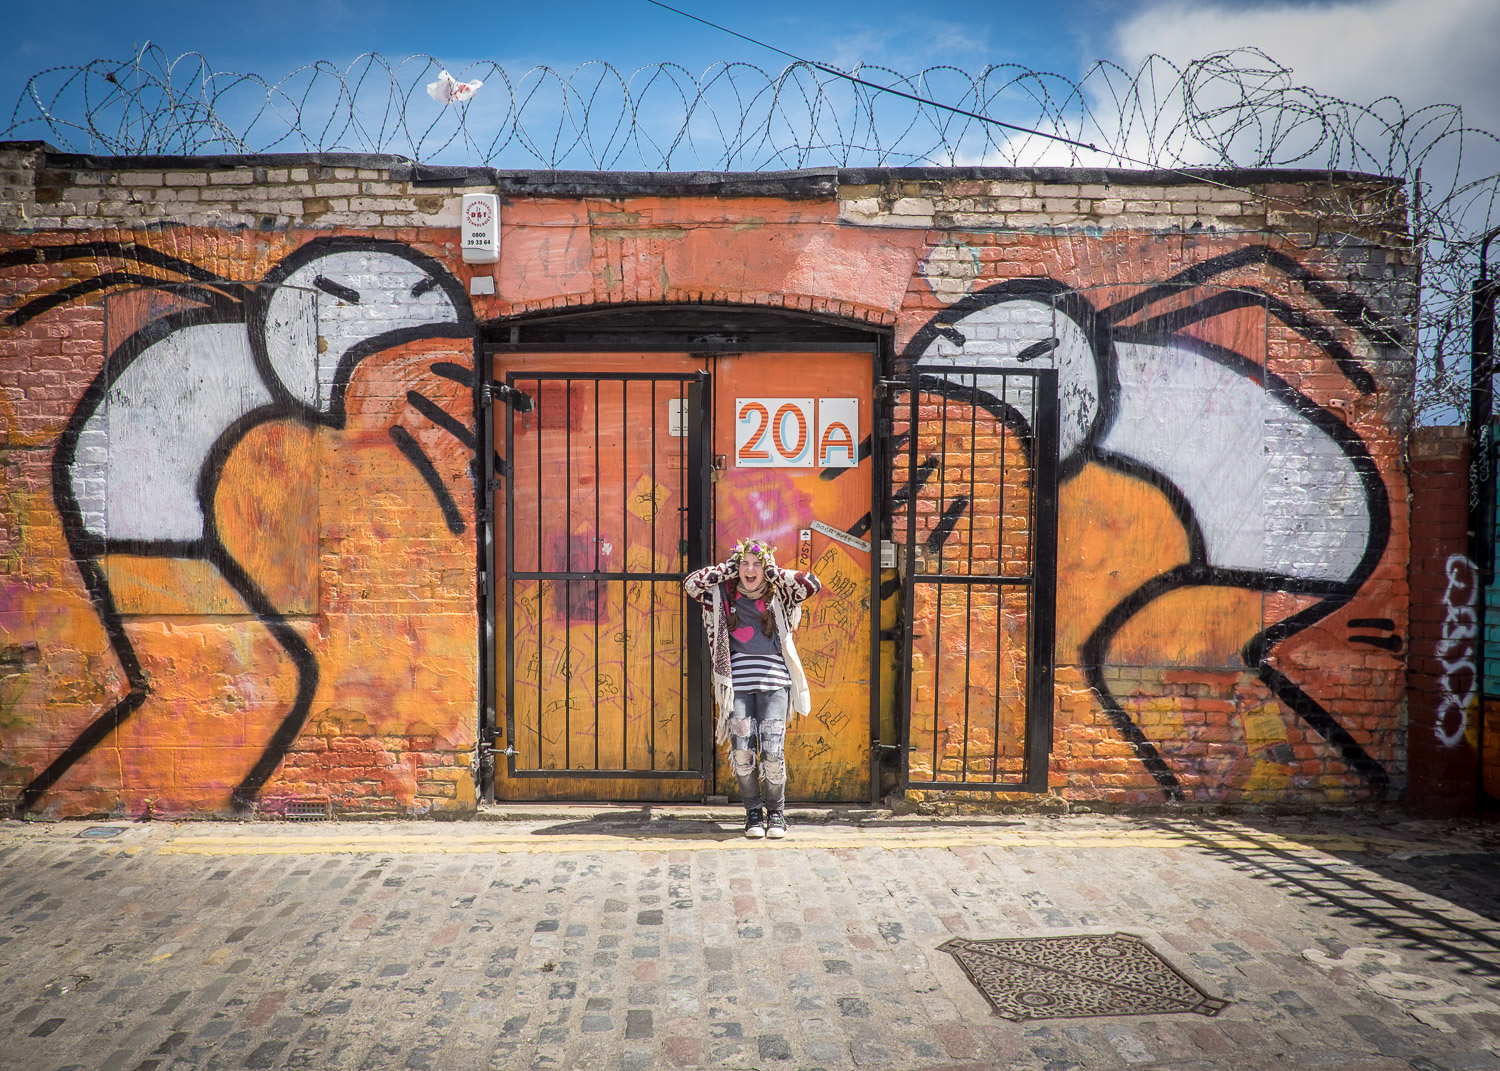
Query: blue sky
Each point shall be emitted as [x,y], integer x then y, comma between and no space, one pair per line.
[1422,51]
[279,35]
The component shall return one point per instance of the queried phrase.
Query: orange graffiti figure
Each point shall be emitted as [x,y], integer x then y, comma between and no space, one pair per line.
[143,455]
[1168,390]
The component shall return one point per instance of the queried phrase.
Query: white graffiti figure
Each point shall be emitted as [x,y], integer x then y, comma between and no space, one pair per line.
[1455,652]
[1275,492]
[139,462]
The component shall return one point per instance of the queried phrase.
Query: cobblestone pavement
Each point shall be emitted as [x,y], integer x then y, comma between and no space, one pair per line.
[638,938]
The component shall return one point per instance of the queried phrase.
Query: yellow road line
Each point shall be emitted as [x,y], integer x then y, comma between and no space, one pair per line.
[423,842]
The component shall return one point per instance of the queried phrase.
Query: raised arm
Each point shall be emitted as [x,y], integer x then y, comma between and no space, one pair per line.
[797,586]
[700,581]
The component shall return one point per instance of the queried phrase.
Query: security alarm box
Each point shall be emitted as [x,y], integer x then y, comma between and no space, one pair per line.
[481,228]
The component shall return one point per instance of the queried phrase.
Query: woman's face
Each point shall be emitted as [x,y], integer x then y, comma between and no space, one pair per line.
[752,574]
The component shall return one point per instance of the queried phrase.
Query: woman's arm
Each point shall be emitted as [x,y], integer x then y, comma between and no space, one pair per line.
[700,581]
[797,586]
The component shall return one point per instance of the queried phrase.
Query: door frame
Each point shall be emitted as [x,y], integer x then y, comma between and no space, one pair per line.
[489,397]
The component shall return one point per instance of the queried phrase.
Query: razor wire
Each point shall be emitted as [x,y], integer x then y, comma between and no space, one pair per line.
[1229,110]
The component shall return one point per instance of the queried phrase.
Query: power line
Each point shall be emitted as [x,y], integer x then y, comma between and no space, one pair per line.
[887,89]
[928,102]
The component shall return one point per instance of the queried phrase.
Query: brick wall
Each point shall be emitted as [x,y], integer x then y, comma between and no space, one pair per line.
[1232,525]
[1443,685]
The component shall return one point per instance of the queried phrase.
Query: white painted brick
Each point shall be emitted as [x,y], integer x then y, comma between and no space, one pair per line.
[1027,219]
[1226,208]
[140,178]
[335,189]
[378,204]
[912,206]
[186,178]
[1109,206]
[344,174]
[977,219]
[231,178]
[278,174]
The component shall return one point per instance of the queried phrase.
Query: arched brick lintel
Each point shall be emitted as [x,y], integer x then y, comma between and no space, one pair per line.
[815,304]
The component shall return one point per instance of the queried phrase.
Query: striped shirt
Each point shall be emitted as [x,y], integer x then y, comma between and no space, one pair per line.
[754,658]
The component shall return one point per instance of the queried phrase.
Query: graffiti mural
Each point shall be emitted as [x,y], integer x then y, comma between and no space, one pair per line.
[206,414]
[1194,466]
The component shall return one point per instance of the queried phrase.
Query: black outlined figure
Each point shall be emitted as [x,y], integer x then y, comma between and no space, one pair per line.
[139,463]
[1275,492]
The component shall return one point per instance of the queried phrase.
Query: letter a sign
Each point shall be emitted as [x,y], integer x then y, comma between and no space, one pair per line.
[792,433]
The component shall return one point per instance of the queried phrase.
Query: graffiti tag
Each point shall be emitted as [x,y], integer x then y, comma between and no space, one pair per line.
[1456,651]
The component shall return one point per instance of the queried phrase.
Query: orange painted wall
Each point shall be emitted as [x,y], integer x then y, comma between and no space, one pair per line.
[353,518]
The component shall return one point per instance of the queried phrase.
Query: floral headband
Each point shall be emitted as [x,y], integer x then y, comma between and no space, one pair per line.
[754,548]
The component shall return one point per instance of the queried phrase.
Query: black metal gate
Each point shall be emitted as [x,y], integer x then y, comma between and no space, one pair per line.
[981,550]
[606,480]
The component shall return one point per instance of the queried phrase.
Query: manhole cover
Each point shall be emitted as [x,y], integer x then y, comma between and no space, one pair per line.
[101,832]
[1075,977]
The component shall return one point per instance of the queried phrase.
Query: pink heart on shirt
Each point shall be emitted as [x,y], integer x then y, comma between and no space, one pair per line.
[743,633]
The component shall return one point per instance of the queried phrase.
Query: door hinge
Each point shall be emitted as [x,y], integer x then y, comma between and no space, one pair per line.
[492,391]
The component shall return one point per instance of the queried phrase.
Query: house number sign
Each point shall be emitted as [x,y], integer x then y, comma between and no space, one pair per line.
[796,433]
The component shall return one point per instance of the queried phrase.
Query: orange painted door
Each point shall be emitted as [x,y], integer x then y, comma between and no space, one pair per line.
[597,645]
[816,510]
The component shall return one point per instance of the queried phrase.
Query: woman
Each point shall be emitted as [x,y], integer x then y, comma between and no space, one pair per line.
[751,609]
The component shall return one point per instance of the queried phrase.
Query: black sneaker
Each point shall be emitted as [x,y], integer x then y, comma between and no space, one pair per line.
[775,825]
[755,824]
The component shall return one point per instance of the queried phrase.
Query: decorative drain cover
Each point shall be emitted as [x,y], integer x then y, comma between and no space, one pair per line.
[1075,977]
[101,832]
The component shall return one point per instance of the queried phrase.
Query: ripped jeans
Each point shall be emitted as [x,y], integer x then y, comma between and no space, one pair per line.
[760,718]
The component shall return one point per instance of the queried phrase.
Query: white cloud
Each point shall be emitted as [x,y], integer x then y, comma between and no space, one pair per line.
[1420,51]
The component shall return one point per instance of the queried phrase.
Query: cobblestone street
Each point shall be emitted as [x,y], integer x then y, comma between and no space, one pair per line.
[633,938]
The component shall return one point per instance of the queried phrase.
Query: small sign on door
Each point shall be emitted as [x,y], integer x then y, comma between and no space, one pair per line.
[790,433]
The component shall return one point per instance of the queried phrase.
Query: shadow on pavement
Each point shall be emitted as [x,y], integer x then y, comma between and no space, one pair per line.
[643,824]
[1395,894]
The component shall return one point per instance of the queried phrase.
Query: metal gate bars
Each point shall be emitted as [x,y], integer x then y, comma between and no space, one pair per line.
[980,502]
[603,671]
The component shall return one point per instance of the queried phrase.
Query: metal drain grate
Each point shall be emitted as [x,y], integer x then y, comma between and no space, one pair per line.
[309,810]
[1077,977]
[101,832]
